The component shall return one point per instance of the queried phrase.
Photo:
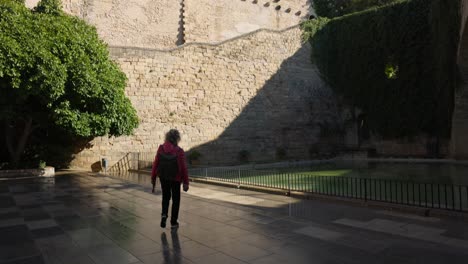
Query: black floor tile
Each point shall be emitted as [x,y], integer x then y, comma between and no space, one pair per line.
[35,214]
[4,189]
[14,235]
[67,218]
[18,189]
[61,213]
[29,260]
[17,251]
[10,215]
[6,201]
[47,232]
[63,197]
[31,206]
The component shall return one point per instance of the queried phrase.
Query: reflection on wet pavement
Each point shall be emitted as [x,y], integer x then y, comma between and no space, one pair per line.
[88,218]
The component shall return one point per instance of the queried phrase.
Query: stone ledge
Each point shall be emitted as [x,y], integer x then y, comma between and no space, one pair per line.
[46,172]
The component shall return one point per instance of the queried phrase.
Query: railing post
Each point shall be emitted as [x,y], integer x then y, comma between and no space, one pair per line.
[466,187]
[206,173]
[128,164]
[453,197]
[138,161]
[239,178]
[365,189]
[460,197]
[289,184]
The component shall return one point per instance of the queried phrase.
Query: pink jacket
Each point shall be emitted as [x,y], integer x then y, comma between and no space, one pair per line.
[168,148]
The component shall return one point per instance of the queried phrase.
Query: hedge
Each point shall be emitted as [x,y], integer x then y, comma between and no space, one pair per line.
[397,63]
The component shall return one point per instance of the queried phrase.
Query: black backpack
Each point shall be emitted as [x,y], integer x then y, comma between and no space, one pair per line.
[168,166]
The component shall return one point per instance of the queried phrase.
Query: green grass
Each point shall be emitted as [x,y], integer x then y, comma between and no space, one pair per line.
[329,172]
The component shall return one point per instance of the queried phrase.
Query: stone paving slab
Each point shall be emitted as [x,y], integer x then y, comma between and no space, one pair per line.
[86,218]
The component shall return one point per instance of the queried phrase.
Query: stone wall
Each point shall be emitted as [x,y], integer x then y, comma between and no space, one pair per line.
[163,24]
[214,21]
[133,23]
[459,137]
[258,92]
[464,15]
[254,90]
[418,147]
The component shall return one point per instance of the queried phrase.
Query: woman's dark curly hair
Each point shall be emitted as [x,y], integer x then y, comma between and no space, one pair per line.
[173,136]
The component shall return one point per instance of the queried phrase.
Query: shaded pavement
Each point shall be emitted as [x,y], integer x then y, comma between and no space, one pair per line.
[87,218]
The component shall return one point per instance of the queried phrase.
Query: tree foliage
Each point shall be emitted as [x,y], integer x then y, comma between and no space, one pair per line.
[397,63]
[55,74]
[53,7]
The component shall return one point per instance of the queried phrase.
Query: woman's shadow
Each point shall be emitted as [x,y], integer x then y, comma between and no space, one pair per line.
[172,254]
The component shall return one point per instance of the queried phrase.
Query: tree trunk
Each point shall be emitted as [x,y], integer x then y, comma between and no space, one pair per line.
[16,149]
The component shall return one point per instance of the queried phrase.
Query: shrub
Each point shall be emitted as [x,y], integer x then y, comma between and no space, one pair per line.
[42,164]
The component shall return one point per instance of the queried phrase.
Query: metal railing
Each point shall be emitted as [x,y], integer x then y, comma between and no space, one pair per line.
[133,161]
[124,164]
[427,195]
[145,160]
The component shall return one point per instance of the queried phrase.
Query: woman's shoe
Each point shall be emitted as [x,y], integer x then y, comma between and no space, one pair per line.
[163,221]
[174,225]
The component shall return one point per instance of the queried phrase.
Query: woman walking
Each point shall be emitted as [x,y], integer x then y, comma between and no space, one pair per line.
[169,165]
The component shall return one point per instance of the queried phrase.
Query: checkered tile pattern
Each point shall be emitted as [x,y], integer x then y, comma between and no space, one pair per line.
[92,219]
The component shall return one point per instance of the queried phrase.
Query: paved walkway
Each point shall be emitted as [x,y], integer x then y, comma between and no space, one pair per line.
[84,218]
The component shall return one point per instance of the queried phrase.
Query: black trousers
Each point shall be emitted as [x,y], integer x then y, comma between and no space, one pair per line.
[171,188]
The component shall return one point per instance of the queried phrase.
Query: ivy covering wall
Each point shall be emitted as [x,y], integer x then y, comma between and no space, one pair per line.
[397,63]
[335,8]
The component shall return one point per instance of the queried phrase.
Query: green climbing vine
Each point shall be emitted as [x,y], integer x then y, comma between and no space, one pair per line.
[396,62]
